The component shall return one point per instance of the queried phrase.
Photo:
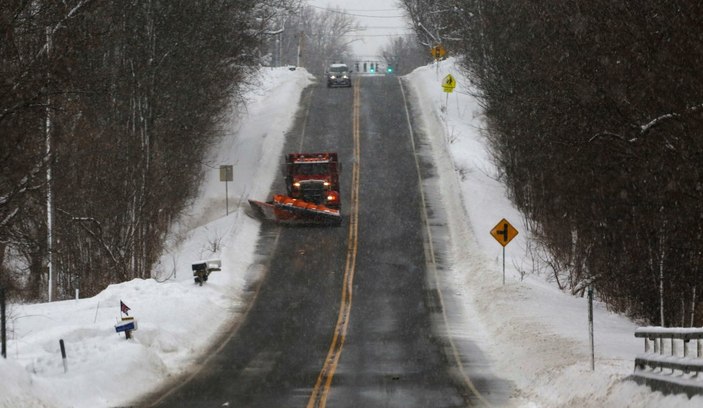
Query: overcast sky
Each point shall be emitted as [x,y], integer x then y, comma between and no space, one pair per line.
[383,20]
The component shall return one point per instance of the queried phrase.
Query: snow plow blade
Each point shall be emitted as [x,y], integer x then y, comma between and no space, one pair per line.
[287,210]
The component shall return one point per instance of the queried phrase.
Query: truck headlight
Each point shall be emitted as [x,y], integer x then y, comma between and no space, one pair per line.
[326,183]
[296,184]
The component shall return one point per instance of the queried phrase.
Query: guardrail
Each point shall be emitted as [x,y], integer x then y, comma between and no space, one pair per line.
[668,364]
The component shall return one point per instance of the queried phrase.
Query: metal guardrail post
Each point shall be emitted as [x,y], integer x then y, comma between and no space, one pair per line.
[685,348]
[662,369]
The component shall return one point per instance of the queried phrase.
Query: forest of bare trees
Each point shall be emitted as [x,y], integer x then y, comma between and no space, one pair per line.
[404,54]
[594,114]
[313,38]
[595,118]
[106,109]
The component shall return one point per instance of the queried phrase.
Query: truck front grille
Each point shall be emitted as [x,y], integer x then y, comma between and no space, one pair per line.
[313,191]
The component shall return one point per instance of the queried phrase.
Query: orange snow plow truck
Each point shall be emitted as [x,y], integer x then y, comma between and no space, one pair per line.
[312,184]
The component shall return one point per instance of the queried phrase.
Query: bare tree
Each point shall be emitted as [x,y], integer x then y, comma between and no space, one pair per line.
[404,55]
[320,36]
[595,118]
[135,92]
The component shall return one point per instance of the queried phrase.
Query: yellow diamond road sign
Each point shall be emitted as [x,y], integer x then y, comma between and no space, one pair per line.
[503,232]
[449,83]
[438,51]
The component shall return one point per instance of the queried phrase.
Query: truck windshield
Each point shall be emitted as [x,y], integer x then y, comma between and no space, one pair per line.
[309,169]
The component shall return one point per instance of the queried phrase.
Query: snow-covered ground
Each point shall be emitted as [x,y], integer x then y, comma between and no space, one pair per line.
[535,335]
[176,320]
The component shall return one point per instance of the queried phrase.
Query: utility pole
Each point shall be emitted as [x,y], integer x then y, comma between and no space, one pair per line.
[278,50]
[300,48]
[49,193]
[590,326]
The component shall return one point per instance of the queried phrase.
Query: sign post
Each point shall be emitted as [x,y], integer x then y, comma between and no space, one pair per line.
[63,355]
[226,175]
[590,327]
[504,232]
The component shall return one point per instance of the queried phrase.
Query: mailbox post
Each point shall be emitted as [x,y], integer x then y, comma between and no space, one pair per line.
[127,325]
[202,269]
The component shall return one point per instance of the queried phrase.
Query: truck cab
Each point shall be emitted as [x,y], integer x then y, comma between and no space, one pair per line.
[313,177]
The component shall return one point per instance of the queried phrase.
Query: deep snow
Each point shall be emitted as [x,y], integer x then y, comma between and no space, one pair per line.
[535,335]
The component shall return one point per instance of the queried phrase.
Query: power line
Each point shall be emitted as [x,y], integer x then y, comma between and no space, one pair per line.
[383,28]
[372,10]
[355,15]
[362,10]
[378,35]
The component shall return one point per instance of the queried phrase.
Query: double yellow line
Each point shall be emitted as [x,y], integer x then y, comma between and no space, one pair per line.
[318,398]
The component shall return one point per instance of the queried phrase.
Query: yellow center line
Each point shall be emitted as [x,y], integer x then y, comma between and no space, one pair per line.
[318,398]
[305,119]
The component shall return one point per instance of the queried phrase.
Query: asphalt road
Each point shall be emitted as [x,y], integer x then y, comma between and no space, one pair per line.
[345,316]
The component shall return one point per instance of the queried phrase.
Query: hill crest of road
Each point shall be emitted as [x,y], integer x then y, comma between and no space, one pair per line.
[324,330]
